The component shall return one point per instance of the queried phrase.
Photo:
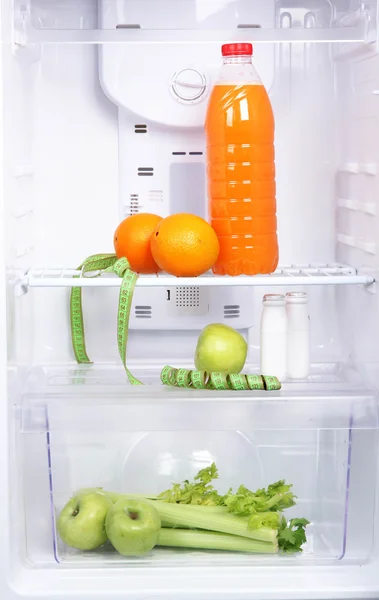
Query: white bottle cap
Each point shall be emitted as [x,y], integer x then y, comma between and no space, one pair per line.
[296,298]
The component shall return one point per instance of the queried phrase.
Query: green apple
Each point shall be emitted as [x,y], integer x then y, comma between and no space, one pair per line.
[220,349]
[133,526]
[81,523]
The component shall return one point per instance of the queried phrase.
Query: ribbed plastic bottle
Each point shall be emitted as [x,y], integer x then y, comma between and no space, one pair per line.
[241,167]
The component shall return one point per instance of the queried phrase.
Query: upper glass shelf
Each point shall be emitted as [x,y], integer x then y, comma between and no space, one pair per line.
[334,274]
[186,21]
[139,35]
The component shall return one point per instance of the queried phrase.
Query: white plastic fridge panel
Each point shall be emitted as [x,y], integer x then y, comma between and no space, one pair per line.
[155,98]
[192,14]
[6,476]
[266,583]
[186,14]
[75,156]
[150,14]
[357,223]
[65,14]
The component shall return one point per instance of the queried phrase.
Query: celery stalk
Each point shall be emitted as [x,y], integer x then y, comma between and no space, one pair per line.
[201,518]
[210,540]
[169,526]
[212,518]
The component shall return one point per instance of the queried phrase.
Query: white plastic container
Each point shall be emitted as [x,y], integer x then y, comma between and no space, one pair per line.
[274,336]
[298,350]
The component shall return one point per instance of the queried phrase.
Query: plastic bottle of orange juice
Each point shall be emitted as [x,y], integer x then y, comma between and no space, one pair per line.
[241,167]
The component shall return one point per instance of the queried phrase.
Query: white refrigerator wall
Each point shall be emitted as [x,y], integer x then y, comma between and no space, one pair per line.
[356,199]
[63,171]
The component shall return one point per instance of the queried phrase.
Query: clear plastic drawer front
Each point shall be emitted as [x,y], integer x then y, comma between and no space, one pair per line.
[141,442]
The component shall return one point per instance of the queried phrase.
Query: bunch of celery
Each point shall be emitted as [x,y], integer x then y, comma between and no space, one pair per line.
[195,515]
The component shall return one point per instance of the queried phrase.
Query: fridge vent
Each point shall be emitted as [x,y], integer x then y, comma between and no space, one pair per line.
[231,311]
[140,128]
[145,171]
[156,195]
[128,26]
[188,297]
[190,153]
[133,208]
[143,312]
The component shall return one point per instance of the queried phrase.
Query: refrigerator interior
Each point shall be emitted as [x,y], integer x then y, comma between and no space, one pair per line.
[97,93]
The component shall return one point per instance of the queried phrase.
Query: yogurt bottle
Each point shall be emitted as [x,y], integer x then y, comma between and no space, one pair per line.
[273,336]
[298,347]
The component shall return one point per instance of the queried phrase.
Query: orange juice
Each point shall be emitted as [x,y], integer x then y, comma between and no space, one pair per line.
[241,168]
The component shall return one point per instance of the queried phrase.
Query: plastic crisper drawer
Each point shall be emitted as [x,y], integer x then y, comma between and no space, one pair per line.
[325,444]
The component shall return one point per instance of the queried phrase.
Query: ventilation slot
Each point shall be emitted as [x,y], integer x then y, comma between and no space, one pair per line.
[231,311]
[140,128]
[133,208]
[188,297]
[145,171]
[195,153]
[128,26]
[179,153]
[143,312]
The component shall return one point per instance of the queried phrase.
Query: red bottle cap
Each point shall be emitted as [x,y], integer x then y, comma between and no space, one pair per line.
[237,49]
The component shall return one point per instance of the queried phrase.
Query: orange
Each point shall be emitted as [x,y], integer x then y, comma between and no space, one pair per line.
[184,245]
[132,241]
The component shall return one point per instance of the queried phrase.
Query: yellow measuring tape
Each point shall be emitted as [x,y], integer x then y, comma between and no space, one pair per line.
[183,378]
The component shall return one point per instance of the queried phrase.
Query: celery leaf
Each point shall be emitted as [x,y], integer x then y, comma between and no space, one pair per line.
[291,535]
[198,492]
[244,502]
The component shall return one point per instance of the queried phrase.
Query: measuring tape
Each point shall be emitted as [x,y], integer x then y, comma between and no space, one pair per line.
[201,380]
[104,263]
[183,378]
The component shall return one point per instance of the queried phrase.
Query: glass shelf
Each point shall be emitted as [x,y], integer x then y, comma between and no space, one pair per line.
[333,274]
[149,36]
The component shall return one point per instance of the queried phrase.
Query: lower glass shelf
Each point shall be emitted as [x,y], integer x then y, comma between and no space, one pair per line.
[105,377]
